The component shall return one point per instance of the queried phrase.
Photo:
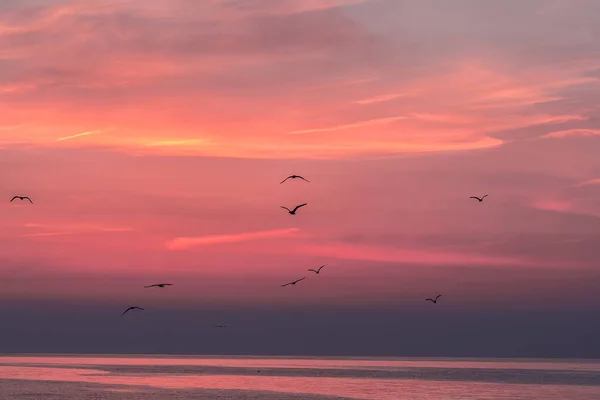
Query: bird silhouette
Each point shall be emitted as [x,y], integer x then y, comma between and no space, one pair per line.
[132,308]
[294,282]
[160,285]
[220,326]
[21,198]
[478,198]
[293,212]
[434,301]
[294,177]
[317,271]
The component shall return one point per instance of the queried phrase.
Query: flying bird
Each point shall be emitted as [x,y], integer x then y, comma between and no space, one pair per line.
[161,285]
[316,271]
[221,326]
[21,198]
[434,301]
[132,308]
[294,282]
[478,198]
[293,212]
[294,177]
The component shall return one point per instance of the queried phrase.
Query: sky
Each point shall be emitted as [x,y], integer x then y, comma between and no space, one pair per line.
[152,137]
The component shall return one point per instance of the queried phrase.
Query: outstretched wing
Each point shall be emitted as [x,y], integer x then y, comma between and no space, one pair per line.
[286,284]
[149,286]
[316,272]
[438,296]
[474,197]
[285,208]
[484,197]
[431,300]
[321,267]
[285,180]
[125,312]
[28,199]
[301,177]
[301,279]
[16,197]
[301,205]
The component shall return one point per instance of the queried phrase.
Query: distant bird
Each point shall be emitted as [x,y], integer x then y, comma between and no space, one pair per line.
[21,198]
[478,198]
[221,326]
[316,271]
[294,177]
[434,301]
[294,282]
[161,285]
[293,212]
[132,308]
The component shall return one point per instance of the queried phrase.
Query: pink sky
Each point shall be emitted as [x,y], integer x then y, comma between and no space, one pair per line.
[152,137]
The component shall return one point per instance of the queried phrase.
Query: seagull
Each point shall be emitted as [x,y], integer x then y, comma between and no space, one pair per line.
[161,285]
[316,271]
[294,282]
[21,198]
[434,301]
[220,326]
[132,308]
[478,198]
[294,177]
[293,212]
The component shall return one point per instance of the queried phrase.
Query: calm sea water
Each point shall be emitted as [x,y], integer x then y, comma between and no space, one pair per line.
[260,378]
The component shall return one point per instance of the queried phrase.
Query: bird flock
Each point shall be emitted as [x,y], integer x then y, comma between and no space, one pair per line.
[292,211]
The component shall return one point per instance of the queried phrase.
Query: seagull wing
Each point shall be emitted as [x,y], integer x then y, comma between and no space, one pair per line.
[149,286]
[316,272]
[475,197]
[16,197]
[286,284]
[321,267]
[438,296]
[125,312]
[285,180]
[301,279]
[301,205]
[28,199]
[431,300]
[484,197]
[285,208]
[301,177]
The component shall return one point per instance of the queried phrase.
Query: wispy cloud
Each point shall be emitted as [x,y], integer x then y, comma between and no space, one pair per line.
[47,234]
[379,99]
[371,122]
[187,242]
[79,135]
[405,255]
[349,82]
[553,205]
[589,182]
[182,142]
[571,132]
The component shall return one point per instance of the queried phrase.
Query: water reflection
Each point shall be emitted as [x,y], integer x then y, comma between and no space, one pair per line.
[354,386]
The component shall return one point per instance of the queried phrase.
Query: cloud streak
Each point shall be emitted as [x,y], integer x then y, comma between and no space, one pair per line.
[182,243]
[79,135]
[361,124]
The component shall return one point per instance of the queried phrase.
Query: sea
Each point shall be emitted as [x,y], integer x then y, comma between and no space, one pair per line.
[136,377]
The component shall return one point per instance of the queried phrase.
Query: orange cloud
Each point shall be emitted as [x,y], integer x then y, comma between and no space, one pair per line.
[181,243]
